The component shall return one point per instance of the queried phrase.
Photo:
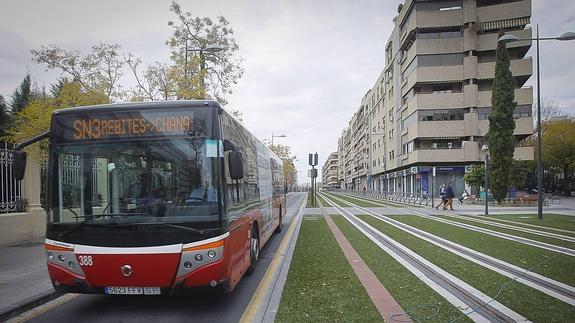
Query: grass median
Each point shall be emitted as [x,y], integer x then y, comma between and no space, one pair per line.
[524,256]
[361,201]
[555,221]
[321,285]
[550,240]
[529,302]
[412,294]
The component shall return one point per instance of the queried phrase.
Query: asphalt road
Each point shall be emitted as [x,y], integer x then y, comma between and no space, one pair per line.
[205,305]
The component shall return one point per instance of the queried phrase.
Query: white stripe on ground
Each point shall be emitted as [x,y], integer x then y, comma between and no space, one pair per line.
[451,298]
[449,246]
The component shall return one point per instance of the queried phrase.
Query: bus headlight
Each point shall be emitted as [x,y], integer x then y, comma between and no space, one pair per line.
[198,258]
[212,253]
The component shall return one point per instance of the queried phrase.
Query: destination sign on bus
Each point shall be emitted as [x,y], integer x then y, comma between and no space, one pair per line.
[129,124]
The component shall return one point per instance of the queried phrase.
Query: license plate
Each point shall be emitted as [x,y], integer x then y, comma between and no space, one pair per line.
[115,290]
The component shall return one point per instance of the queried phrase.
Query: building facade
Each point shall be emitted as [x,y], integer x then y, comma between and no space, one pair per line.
[429,107]
[329,172]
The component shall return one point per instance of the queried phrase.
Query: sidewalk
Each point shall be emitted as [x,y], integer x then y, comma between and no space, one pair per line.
[24,279]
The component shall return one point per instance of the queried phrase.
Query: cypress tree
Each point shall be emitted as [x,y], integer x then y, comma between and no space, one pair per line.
[501,125]
[22,95]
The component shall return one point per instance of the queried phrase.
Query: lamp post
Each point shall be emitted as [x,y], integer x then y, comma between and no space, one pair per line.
[507,38]
[210,48]
[277,136]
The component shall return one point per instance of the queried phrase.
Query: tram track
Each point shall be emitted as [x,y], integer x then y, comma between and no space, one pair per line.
[553,288]
[530,242]
[473,303]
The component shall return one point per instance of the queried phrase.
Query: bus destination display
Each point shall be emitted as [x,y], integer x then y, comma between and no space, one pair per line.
[134,124]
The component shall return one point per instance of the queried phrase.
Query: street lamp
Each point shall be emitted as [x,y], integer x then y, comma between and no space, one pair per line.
[277,136]
[485,148]
[507,38]
[210,48]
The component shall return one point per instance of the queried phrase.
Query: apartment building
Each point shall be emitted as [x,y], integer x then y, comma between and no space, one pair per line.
[429,107]
[330,172]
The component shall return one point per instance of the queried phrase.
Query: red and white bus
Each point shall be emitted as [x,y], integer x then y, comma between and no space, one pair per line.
[153,198]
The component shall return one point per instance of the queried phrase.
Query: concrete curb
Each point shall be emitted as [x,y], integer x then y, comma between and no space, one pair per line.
[28,304]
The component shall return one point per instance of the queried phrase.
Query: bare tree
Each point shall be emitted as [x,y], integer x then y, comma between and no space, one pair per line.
[98,71]
[216,72]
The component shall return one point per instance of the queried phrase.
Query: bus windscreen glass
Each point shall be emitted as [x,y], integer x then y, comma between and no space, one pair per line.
[162,179]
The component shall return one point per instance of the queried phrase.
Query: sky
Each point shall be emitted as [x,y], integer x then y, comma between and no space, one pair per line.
[307,63]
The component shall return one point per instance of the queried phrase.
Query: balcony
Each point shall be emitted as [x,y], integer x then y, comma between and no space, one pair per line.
[435,73]
[524,153]
[523,126]
[519,67]
[523,96]
[429,129]
[516,9]
[469,152]
[437,18]
[437,46]
[489,41]
[435,101]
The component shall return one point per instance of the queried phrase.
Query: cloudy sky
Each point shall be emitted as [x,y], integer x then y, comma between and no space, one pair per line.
[307,62]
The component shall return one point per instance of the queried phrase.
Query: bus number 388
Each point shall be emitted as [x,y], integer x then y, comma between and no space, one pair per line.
[85,260]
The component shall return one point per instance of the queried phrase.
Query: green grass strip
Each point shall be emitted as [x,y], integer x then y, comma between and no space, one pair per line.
[331,196]
[524,300]
[322,201]
[556,221]
[524,256]
[378,202]
[408,290]
[550,240]
[359,201]
[321,285]
[309,201]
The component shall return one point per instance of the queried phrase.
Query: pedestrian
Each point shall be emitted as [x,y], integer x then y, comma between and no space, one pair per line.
[449,194]
[442,195]
[463,197]
[364,190]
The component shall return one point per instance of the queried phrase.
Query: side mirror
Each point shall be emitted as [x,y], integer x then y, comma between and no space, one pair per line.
[19,165]
[236,165]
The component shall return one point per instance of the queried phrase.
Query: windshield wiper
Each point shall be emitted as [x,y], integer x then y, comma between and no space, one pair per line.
[181,227]
[92,217]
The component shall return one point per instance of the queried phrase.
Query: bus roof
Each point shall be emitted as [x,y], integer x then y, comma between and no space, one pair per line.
[139,106]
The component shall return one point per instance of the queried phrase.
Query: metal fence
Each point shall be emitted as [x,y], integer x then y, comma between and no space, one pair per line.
[11,199]
[399,197]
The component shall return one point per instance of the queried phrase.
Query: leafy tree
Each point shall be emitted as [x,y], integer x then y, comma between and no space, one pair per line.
[200,74]
[558,149]
[35,118]
[519,171]
[476,176]
[284,153]
[501,125]
[98,71]
[22,95]
[4,117]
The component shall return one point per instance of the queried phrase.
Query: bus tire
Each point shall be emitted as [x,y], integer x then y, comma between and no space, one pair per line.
[254,250]
[279,227]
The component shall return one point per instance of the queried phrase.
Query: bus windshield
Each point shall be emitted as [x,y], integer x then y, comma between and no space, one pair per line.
[158,180]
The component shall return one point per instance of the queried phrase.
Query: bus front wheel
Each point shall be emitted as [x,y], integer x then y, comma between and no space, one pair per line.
[254,250]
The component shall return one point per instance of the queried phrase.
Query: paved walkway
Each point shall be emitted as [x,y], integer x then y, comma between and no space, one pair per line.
[386,305]
[23,277]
